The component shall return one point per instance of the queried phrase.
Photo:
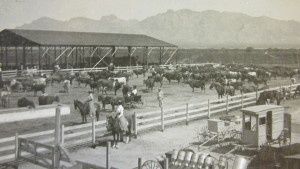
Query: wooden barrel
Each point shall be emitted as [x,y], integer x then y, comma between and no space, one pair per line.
[222,164]
[174,157]
[180,157]
[201,160]
[187,158]
[194,160]
[208,162]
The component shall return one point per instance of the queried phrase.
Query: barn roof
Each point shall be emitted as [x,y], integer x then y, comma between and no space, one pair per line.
[261,108]
[20,37]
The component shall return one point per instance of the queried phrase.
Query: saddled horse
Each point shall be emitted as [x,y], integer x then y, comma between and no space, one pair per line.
[85,109]
[272,95]
[219,88]
[113,125]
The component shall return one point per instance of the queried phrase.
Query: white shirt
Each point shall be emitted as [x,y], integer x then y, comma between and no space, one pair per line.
[120,110]
[134,91]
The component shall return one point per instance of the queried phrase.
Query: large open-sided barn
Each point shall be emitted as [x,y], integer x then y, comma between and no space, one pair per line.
[28,48]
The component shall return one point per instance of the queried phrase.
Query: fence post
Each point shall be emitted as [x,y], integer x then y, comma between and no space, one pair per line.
[227,104]
[62,134]
[242,100]
[139,163]
[108,155]
[16,146]
[187,114]
[208,108]
[256,95]
[166,163]
[93,131]
[135,124]
[56,154]
[162,118]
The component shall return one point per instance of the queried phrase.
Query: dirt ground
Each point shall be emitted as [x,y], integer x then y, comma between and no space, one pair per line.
[174,95]
[151,144]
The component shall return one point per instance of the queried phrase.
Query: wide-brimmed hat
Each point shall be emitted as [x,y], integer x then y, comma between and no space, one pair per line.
[90,91]
[159,88]
[119,101]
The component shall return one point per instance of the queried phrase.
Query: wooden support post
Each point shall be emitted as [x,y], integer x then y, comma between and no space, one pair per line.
[93,130]
[129,54]
[57,139]
[135,125]
[17,64]
[62,134]
[227,104]
[208,108]
[108,155]
[242,100]
[187,114]
[16,146]
[24,57]
[160,55]
[139,163]
[76,58]
[31,57]
[40,65]
[166,163]
[162,118]
[256,95]
[6,57]
[83,58]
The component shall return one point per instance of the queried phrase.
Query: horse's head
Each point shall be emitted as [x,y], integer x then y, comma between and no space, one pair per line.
[75,104]
[212,85]
[109,123]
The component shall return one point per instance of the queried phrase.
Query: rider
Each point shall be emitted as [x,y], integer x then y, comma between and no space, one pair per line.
[120,115]
[134,91]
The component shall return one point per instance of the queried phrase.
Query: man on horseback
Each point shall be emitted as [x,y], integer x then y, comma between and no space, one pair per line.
[121,119]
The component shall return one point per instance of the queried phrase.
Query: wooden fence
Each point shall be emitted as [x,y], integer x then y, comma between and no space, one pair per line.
[81,134]
[13,73]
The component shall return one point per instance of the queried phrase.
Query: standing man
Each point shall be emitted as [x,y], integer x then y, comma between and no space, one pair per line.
[160,97]
[91,104]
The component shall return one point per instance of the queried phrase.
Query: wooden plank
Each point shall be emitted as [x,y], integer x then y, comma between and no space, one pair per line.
[84,125]
[82,133]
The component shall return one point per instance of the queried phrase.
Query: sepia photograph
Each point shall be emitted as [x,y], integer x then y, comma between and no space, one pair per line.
[149,84]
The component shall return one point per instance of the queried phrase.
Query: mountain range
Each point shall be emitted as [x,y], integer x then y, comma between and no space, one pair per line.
[190,29]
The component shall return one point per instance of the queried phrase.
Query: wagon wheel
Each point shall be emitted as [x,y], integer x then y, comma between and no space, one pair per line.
[284,141]
[204,135]
[150,164]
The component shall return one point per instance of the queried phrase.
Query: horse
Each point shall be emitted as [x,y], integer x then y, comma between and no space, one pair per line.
[24,102]
[84,109]
[272,95]
[220,89]
[113,125]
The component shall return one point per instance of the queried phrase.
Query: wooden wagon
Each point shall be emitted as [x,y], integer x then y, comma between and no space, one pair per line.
[266,124]
[220,131]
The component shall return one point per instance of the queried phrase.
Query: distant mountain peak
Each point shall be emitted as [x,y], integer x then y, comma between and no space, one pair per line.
[187,28]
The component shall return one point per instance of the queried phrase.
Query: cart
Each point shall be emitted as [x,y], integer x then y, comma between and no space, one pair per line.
[220,132]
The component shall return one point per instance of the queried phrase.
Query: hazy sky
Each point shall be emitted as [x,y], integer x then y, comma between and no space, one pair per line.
[17,12]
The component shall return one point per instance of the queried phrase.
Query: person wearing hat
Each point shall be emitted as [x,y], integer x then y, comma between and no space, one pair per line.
[160,97]
[91,104]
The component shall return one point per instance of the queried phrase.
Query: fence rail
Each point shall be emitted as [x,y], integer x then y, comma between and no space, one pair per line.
[80,134]
[13,73]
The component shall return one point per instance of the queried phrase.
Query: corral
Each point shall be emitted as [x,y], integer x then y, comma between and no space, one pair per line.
[190,106]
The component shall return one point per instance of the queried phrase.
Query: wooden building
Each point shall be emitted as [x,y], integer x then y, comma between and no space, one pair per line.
[264,123]
[43,48]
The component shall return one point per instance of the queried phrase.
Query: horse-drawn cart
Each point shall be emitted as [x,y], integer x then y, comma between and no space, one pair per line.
[220,132]
[133,101]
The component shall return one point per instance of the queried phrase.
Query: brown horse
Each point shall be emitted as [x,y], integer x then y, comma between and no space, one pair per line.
[113,125]
[85,109]
[272,95]
[219,88]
